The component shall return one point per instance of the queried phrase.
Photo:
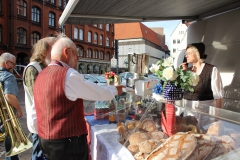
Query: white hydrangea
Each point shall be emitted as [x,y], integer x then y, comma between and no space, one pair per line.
[168,62]
[154,68]
[194,79]
[170,74]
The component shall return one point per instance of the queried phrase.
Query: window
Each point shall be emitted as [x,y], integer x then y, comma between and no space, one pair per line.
[178,41]
[21,8]
[112,43]
[79,51]
[107,56]
[35,14]
[101,55]
[100,26]
[95,55]
[181,32]
[64,3]
[35,36]
[107,27]
[75,33]
[107,41]
[60,3]
[21,36]
[174,41]
[0,33]
[112,28]
[81,34]
[101,40]
[95,38]
[0,5]
[89,36]
[89,53]
[174,50]
[51,21]
[52,1]
[95,25]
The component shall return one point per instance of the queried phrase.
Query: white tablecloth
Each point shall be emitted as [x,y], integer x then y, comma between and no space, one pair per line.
[104,144]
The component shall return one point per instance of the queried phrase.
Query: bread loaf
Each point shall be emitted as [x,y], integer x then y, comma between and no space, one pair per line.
[219,149]
[205,145]
[138,124]
[158,135]
[182,128]
[120,124]
[148,146]
[130,125]
[149,125]
[216,129]
[133,148]
[191,120]
[138,137]
[179,146]
[121,129]
[236,137]
[140,156]
[227,139]
[181,120]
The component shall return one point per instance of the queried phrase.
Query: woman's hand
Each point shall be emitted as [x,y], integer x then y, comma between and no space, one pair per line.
[184,66]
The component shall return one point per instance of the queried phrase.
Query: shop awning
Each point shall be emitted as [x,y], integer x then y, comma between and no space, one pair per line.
[119,11]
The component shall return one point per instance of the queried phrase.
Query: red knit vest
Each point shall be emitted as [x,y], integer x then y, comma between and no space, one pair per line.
[57,116]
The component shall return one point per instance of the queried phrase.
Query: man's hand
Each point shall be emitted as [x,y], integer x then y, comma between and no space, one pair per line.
[19,113]
[119,89]
[13,101]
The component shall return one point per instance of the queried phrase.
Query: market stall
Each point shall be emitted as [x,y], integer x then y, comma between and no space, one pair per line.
[221,134]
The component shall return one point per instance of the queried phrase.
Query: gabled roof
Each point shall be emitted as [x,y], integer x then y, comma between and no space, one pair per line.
[135,30]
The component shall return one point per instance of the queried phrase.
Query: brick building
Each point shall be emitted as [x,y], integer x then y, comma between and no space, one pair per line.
[24,22]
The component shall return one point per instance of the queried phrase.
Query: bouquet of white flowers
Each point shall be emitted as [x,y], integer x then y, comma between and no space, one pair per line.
[182,79]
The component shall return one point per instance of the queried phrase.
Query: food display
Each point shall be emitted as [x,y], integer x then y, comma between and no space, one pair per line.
[146,140]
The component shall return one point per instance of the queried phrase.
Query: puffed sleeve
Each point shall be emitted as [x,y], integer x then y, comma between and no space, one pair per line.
[216,84]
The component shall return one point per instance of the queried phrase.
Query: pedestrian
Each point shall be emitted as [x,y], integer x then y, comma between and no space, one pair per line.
[59,91]
[10,89]
[40,58]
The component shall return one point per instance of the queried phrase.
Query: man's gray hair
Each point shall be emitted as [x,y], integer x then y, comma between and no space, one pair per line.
[62,42]
[6,57]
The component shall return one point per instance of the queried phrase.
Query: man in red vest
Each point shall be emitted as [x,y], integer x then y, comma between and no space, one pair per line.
[59,91]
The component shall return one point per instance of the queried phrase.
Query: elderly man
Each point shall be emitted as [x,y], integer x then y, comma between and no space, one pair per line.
[59,91]
[10,89]
[40,59]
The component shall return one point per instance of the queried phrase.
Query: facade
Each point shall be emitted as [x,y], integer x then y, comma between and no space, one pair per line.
[137,38]
[24,22]
[177,38]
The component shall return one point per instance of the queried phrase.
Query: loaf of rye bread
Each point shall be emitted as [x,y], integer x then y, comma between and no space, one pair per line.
[177,147]
[205,145]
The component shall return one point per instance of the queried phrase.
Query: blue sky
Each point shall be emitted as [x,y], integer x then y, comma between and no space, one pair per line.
[168,26]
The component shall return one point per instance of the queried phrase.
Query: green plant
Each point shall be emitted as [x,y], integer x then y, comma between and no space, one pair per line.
[165,70]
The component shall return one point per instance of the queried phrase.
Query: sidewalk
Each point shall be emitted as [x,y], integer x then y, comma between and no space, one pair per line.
[23,120]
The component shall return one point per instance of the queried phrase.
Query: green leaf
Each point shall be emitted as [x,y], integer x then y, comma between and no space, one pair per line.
[191,89]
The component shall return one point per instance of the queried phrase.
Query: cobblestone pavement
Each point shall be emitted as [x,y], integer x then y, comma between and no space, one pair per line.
[23,120]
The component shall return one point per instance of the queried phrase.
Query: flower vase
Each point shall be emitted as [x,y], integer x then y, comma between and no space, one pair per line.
[172,92]
[168,119]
